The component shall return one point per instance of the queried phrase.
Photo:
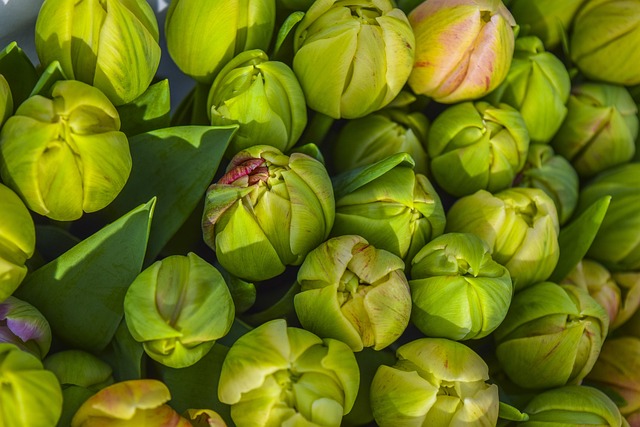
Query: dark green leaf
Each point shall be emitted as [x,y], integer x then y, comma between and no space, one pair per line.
[81,293]
[576,238]
[51,74]
[285,29]
[73,397]
[125,355]
[150,111]
[19,72]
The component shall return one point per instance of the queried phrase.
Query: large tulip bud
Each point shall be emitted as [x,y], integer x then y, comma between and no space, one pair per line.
[109,44]
[600,129]
[268,211]
[463,48]
[65,155]
[202,36]
[352,57]
[17,241]
[353,292]
[520,225]
[263,97]
[276,375]
[552,336]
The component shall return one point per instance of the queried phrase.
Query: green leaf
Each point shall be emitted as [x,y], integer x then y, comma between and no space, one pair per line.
[350,181]
[50,75]
[576,238]
[19,72]
[176,165]
[73,397]
[196,386]
[149,111]
[285,29]
[81,293]
[310,149]
[52,241]
[125,355]
[510,413]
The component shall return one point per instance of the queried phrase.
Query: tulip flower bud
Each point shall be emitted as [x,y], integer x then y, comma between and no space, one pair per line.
[398,211]
[548,20]
[520,226]
[352,57]
[24,326]
[277,375]
[17,241]
[204,418]
[458,291]
[263,97]
[475,146]
[436,382]
[538,86]
[65,155]
[629,284]
[6,101]
[572,405]
[77,367]
[552,174]
[603,40]
[552,336]
[224,28]
[178,307]
[353,292]
[617,244]
[600,129]
[376,136]
[31,396]
[268,211]
[109,44]
[130,403]
[595,279]
[463,48]
[618,369]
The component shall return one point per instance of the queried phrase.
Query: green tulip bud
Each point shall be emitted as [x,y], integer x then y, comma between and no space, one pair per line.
[595,279]
[31,396]
[6,101]
[17,241]
[475,146]
[109,44]
[552,336]
[398,211]
[458,291]
[224,28]
[629,285]
[436,382]
[548,20]
[352,57]
[268,211]
[600,129]
[572,405]
[538,86]
[22,325]
[178,307]
[353,292]
[204,418]
[617,243]
[552,174]
[277,375]
[618,369]
[520,226]
[77,367]
[463,48]
[603,40]
[263,97]
[65,155]
[376,136]
[130,403]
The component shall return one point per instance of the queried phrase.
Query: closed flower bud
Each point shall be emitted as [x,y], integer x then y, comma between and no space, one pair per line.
[552,336]
[458,291]
[352,57]
[263,97]
[65,155]
[24,326]
[109,44]
[475,146]
[202,36]
[463,48]
[268,211]
[79,368]
[600,129]
[178,307]
[353,292]
[6,101]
